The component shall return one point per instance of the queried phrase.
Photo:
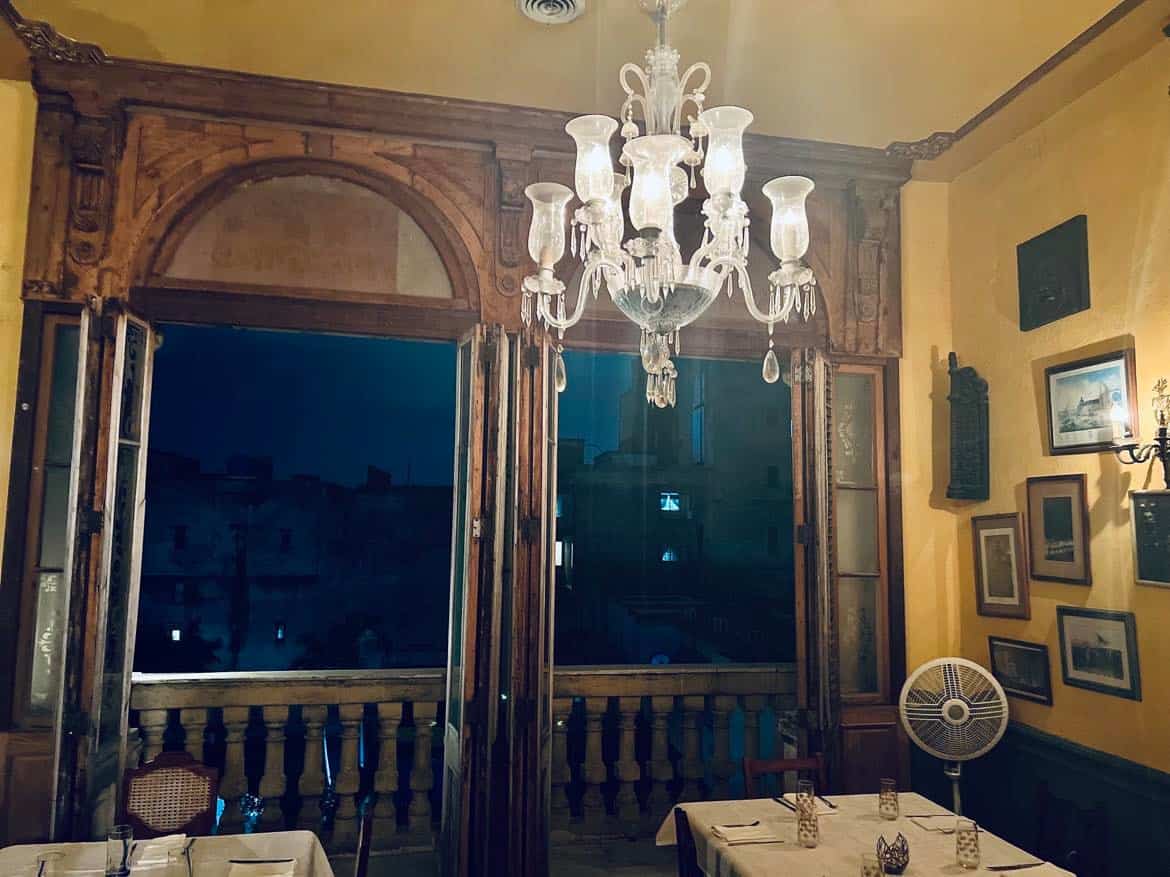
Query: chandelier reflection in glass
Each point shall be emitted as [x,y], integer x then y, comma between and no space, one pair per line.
[646,276]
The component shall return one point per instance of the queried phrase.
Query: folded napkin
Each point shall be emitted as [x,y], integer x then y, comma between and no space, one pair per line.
[746,834]
[823,809]
[943,824]
[156,850]
[262,868]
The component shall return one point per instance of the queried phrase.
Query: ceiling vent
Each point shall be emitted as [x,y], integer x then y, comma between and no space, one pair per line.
[552,11]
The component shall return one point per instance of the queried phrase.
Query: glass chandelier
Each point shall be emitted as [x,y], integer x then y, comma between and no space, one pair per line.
[646,276]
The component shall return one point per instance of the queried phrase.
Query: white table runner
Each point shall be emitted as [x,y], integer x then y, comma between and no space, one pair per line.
[210,856]
[850,831]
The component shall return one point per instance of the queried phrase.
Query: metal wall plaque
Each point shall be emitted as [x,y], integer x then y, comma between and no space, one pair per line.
[970,454]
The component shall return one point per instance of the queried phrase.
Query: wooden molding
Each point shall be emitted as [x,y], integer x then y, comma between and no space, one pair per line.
[45,43]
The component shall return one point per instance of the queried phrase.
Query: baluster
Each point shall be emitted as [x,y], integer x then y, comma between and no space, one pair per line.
[272,783]
[752,705]
[422,777]
[313,776]
[562,774]
[194,723]
[348,779]
[627,768]
[234,782]
[386,779]
[152,725]
[593,771]
[721,766]
[691,766]
[661,770]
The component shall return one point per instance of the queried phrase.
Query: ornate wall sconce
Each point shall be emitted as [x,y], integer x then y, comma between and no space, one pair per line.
[1132,452]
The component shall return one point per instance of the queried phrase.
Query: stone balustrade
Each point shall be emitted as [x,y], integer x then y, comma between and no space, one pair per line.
[309,748]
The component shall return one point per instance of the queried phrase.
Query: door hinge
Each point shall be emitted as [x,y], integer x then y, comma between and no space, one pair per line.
[92,521]
[531,356]
[804,534]
[481,528]
[487,352]
[529,529]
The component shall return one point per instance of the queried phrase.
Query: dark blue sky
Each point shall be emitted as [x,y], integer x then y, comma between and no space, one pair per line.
[324,405]
[590,406]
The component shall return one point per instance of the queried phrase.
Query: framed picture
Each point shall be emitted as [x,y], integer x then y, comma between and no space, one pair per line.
[1001,583]
[1151,536]
[1022,668]
[1058,530]
[1098,650]
[1053,273]
[1081,398]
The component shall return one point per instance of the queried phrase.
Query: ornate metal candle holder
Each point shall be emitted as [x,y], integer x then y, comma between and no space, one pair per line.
[893,856]
[1159,449]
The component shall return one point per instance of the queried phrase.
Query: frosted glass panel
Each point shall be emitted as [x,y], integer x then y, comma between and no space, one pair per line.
[857,617]
[46,657]
[853,434]
[857,531]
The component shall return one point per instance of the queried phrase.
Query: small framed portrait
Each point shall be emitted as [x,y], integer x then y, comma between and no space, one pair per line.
[1058,530]
[1098,650]
[1151,536]
[1001,582]
[1053,270]
[1022,668]
[1092,403]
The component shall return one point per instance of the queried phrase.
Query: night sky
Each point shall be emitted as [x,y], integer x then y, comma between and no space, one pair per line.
[324,405]
[591,403]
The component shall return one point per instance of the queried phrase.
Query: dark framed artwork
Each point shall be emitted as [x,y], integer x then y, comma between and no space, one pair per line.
[1053,272]
[1098,651]
[1082,397]
[1150,510]
[1058,530]
[1022,668]
[1001,582]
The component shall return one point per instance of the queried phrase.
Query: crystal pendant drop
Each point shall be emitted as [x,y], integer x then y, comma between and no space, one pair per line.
[771,367]
[560,379]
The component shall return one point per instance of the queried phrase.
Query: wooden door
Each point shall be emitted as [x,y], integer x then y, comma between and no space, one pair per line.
[108,509]
[476,570]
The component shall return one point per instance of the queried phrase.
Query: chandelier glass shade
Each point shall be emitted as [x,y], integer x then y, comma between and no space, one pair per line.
[646,276]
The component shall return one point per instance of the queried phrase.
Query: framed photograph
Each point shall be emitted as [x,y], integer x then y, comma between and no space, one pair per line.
[1001,582]
[1098,650]
[1151,536]
[1058,530]
[1081,399]
[1022,668]
[1053,273]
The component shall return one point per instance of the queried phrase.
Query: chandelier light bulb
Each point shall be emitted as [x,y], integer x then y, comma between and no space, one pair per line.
[789,236]
[725,168]
[546,235]
[651,200]
[594,174]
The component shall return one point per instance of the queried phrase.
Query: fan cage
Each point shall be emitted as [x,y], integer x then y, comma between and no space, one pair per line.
[953,709]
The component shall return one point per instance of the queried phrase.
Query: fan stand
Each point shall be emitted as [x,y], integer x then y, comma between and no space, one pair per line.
[954,771]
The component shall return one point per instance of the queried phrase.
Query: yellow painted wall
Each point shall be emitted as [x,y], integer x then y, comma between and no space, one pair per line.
[1106,155]
[17,121]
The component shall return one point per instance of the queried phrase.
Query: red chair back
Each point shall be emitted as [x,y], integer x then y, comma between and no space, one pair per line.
[174,793]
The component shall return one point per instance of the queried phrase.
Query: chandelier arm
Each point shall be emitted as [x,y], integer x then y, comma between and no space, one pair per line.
[632,94]
[696,95]
[596,264]
[745,283]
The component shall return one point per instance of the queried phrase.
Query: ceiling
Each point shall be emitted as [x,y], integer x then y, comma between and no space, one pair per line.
[864,72]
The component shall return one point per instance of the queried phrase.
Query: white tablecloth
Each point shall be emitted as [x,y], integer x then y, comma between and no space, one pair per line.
[209,855]
[850,831]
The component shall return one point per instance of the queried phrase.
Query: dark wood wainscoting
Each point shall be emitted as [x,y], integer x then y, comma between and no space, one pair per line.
[1054,797]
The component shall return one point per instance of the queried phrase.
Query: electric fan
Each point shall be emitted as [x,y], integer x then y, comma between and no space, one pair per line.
[955,710]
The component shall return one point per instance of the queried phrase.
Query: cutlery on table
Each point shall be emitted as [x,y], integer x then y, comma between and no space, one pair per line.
[738,825]
[786,803]
[827,802]
[999,868]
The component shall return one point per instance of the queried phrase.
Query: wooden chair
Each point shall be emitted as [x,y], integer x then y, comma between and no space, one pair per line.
[173,793]
[361,861]
[688,855]
[757,767]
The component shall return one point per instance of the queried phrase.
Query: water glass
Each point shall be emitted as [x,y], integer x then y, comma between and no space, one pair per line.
[870,866]
[118,850]
[888,800]
[967,844]
[806,792]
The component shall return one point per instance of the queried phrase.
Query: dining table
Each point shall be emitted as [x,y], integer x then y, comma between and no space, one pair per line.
[762,834]
[225,855]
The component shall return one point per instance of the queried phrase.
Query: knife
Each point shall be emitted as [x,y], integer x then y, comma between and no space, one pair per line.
[998,868]
[786,803]
[828,803]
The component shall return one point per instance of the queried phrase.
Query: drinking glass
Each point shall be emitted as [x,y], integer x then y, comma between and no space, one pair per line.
[870,866]
[805,791]
[118,850]
[888,799]
[807,830]
[49,864]
[967,844]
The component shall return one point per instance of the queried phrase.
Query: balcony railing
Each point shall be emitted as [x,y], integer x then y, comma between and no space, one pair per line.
[305,748]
